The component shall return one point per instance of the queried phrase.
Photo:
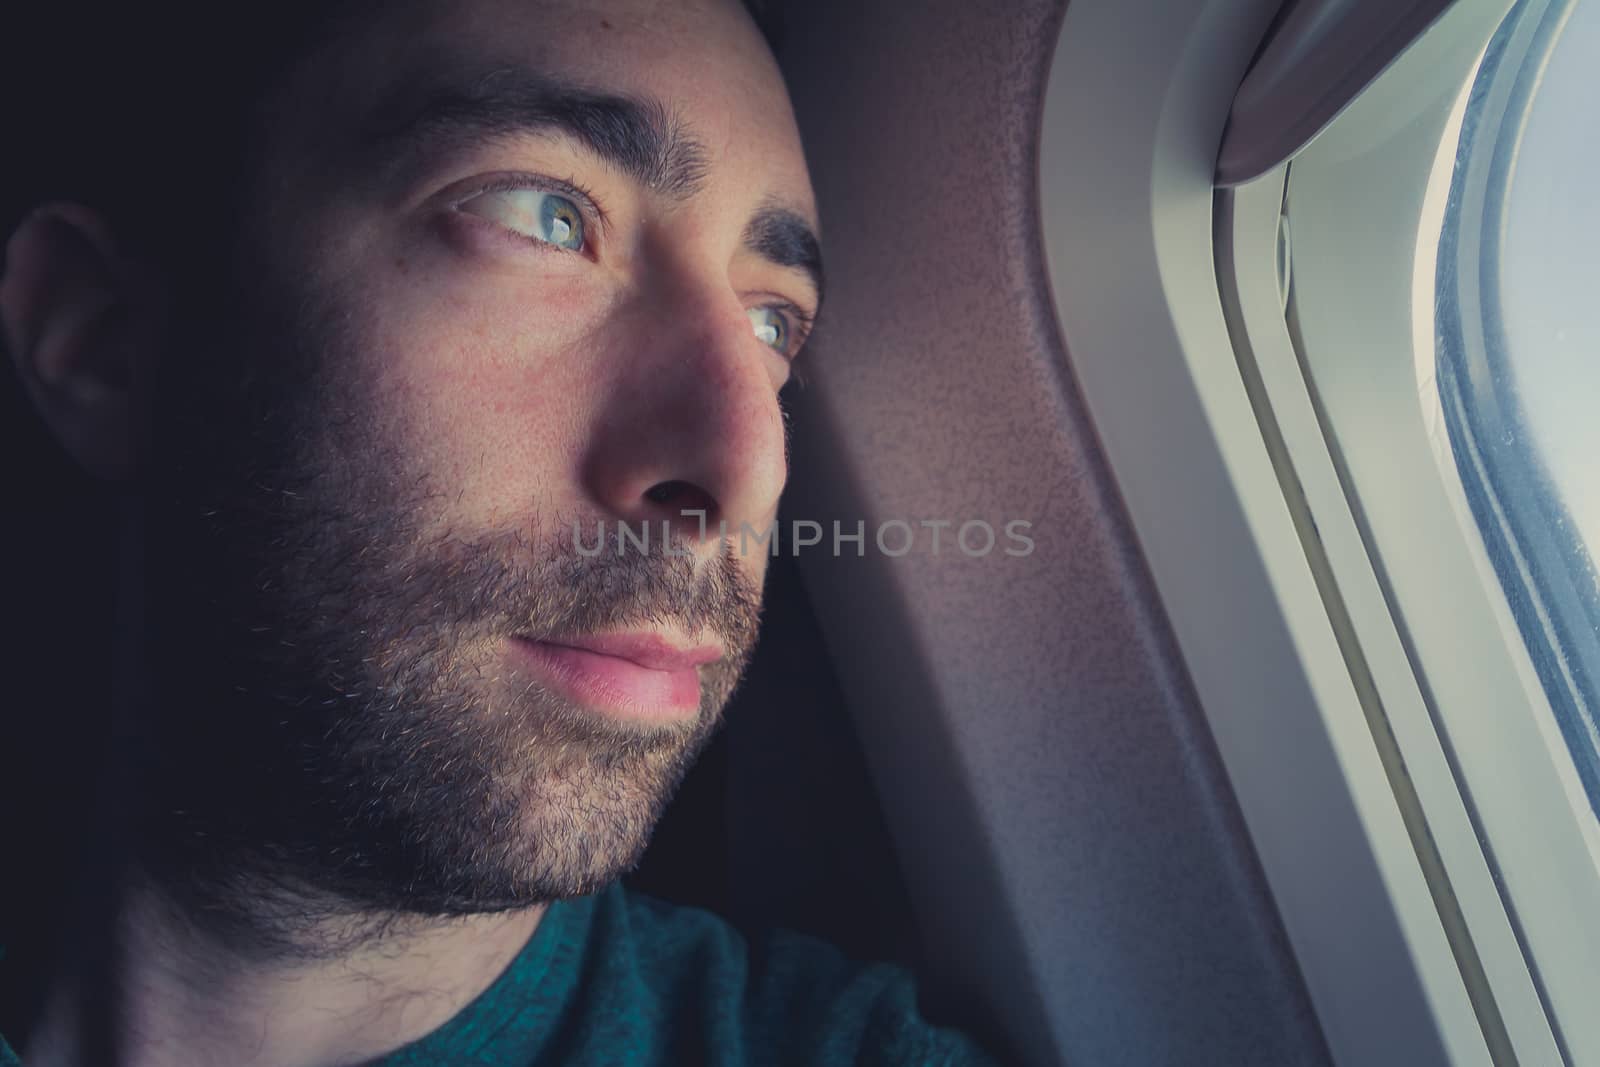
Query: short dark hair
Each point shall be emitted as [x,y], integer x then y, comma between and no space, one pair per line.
[124,117]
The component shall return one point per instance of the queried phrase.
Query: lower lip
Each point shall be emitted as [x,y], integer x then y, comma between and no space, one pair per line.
[611,684]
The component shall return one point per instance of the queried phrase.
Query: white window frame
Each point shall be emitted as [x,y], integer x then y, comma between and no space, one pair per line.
[1327,702]
[1449,662]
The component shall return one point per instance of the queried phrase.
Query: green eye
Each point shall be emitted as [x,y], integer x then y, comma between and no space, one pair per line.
[772,327]
[548,217]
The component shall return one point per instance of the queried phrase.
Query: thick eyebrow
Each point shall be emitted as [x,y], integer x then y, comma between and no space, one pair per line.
[640,136]
[783,237]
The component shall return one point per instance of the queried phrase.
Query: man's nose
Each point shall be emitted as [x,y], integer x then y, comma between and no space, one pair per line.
[692,426]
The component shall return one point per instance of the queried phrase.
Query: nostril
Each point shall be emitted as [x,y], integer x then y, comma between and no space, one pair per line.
[681,495]
[663,492]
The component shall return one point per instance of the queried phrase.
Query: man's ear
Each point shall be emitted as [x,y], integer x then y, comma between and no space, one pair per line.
[81,322]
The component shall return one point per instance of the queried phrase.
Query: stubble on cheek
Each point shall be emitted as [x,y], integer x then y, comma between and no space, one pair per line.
[351,730]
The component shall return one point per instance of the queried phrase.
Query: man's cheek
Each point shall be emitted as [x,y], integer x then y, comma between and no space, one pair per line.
[494,430]
[492,373]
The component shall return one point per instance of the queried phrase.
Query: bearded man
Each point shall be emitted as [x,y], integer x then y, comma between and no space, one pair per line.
[369,310]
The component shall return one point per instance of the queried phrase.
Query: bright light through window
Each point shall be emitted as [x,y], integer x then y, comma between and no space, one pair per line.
[1518,327]
[1550,274]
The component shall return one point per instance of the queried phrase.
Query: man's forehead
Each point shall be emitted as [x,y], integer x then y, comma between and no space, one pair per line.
[700,64]
[683,111]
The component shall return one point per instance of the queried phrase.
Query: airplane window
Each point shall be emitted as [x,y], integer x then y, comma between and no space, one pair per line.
[1418,372]
[1518,347]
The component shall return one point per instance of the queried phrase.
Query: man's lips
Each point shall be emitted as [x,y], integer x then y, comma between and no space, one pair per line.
[651,650]
[634,675]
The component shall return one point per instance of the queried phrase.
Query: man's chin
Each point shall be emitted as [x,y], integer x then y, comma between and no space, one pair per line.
[569,807]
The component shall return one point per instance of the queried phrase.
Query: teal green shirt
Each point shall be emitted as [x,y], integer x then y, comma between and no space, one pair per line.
[621,979]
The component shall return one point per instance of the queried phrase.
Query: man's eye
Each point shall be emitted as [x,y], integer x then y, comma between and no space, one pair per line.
[548,217]
[772,327]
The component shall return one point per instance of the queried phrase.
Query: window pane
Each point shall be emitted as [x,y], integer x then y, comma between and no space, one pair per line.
[1519,342]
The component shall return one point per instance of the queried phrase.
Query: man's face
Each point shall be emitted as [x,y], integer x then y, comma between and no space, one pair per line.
[505,269]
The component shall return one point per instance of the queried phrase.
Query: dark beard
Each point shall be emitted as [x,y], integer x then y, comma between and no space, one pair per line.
[326,743]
